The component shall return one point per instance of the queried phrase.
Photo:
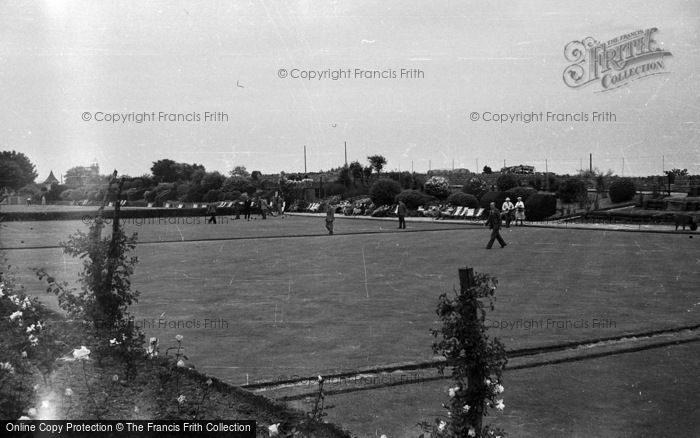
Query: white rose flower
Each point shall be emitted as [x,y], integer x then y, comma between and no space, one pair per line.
[441,427]
[500,388]
[274,429]
[181,399]
[466,408]
[471,432]
[82,353]
[16,315]
[69,392]
[180,363]
[500,405]
[178,338]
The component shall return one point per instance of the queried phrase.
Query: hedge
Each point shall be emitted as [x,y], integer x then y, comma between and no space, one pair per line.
[496,197]
[463,200]
[384,191]
[523,192]
[540,206]
[622,190]
[413,198]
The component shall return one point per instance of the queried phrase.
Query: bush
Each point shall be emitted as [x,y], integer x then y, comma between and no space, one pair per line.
[384,191]
[438,186]
[476,186]
[212,196]
[412,198]
[496,197]
[622,190]
[572,190]
[540,206]
[507,181]
[463,200]
[523,192]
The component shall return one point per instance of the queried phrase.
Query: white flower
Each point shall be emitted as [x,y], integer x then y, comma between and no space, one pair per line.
[16,315]
[209,382]
[69,392]
[33,340]
[320,378]
[181,399]
[82,353]
[500,405]
[500,388]
[180,363]
[487,381]
[453,391]
[471,432]
[154,341]
[24,354]
[466,408]
[178,338]
[31,328]
[274,429]
[113,342]
[7,366]
[442,426]
[115,378]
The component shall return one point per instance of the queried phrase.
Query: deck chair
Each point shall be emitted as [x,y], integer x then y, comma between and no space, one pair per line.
[150,204]
[470,213]
[111,204]
[478,214]
[122,203]
[167,205]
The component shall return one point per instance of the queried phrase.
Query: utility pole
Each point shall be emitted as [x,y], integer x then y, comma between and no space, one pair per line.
[453,164]
[590,162]
[546,175]
[663,165]
[430,163]
[346,154]
[304,158]
[477,165]
[623,166]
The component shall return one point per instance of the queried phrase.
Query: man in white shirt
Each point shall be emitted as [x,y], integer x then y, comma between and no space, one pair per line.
[519,211]
[507,209]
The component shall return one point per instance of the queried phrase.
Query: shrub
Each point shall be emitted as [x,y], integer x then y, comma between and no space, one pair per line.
[523,192]
[572,190]
[438,186]
[507,181]
[622,190]
[540,206]
[496,197]
[212,196]
[412,198]
[384,191]
[463,200]
[476,186]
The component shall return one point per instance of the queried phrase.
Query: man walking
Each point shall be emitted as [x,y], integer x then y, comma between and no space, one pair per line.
[494,222]
[330,217]
[401,211]
[211,212]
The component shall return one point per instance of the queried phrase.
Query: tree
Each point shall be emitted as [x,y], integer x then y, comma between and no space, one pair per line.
[384,191]
[239,171]
[438,186]
[507,181]
[344,177]
[16,170]
[572,190]
[357,172]
[487,170]
[674,173]
[164,170]
[377,162]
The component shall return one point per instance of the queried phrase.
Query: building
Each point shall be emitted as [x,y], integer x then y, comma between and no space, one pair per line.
[82,175]
[51,180]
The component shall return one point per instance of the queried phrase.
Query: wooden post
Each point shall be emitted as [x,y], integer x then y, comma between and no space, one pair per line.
[475,379]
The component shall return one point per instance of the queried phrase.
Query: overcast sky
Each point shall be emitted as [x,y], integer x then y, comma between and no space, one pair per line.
[61,59]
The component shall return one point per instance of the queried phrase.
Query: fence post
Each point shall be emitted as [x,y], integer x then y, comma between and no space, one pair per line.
[475,379]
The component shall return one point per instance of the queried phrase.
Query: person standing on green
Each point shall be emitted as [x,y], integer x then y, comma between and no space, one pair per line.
[401,212]
[494,222]
[330,217]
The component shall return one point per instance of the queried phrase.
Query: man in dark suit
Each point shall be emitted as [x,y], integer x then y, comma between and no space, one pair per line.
[494,222]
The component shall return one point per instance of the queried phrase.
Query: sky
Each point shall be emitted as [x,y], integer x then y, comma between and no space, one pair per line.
[67,66]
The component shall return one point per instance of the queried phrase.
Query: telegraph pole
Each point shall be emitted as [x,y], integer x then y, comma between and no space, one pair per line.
[304,158]
[346,154]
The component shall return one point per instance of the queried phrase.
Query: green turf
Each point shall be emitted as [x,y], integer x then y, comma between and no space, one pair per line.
[259,308]
[652,393]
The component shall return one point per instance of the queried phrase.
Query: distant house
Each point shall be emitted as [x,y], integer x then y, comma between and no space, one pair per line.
[520,169]
[51,180]
[82,175]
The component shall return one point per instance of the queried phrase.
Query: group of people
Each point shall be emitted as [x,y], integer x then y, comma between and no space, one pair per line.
[247,205]
[507,212]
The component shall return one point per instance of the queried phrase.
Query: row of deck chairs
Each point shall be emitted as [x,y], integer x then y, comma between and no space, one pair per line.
[460,213]
[313,207]
[122,203]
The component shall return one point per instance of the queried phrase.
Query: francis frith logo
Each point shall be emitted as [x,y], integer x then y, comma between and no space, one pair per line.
[616,62]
